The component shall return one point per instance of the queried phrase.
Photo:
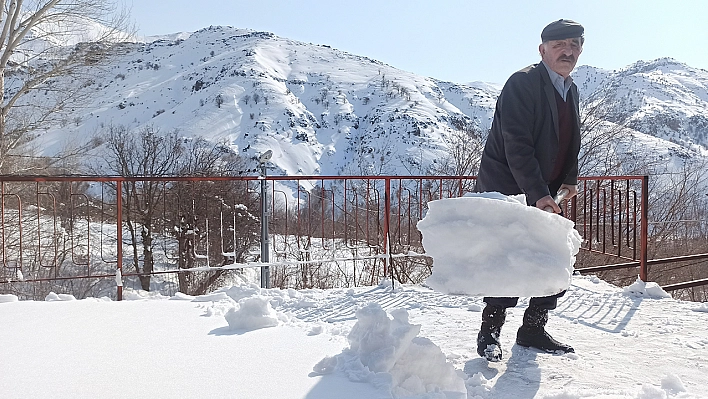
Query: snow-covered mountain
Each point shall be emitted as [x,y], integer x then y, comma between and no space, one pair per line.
[321,110]
[653,115]
[663,98]
[325,111]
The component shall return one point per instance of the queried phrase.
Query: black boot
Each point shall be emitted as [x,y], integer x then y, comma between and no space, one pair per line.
[533,334]
[488,346]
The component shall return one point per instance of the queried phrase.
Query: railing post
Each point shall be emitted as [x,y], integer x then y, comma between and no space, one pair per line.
[387,221]
[2,223]
[644,226]
[119,237]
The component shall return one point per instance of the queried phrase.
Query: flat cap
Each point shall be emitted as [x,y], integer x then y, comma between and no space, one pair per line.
[562,29]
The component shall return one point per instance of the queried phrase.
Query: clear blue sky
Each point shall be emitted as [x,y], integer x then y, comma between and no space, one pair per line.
[455,40]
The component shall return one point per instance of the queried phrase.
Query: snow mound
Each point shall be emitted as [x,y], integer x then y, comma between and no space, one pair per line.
[51,297]
[137,295]
[239,292]
[481,240]
[671,387]
[251,314]
[388,354]
[672,384]
[178,296]
[648,290]
[8,298]
[211,297]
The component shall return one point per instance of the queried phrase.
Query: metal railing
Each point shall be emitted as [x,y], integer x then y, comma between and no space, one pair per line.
[62,230]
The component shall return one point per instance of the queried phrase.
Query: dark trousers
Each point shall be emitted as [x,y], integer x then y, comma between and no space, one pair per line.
[544,302]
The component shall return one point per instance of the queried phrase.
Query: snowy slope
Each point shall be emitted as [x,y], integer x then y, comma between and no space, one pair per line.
[663,98]
[325,111]
[321,110]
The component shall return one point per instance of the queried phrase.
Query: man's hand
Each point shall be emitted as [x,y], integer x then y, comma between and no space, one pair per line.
[572,190]
[548,202]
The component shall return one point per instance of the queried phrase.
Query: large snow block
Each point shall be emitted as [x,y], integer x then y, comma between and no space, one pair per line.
[489,244]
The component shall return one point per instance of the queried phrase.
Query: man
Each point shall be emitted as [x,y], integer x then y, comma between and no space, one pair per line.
[532,149]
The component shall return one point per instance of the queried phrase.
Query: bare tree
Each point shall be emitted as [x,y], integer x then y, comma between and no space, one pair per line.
[464,146]
[210,216]
[603,123]
[41,41]
[145,153]
[678,209]
[233,230]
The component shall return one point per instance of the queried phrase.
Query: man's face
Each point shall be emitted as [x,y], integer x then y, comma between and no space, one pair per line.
[561,55]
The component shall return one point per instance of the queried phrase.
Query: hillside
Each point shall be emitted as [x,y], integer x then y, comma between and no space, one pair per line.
[321,110]
[663,98]
[656,109]
[325,111]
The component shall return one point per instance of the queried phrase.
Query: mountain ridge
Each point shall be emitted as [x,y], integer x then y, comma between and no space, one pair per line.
[323,111]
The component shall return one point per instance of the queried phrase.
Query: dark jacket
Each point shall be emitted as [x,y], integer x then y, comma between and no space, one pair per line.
[522,146]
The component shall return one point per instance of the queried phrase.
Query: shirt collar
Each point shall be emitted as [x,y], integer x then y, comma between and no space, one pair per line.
[562,85]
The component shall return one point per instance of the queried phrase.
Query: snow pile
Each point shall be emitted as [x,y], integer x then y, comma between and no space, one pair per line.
[8,298]
[136,295]
[51,297]
[648,290]
[490,244]
[671,387]
[388,354]
[702,308]
[211,297]
[178,296]
[238,292]
[251,314]
[672,384]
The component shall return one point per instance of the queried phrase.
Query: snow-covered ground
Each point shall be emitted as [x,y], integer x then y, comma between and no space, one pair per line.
[629,344]
[387,341]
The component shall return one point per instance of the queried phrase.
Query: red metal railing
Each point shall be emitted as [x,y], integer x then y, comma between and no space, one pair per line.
[614,219]
[57,230]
